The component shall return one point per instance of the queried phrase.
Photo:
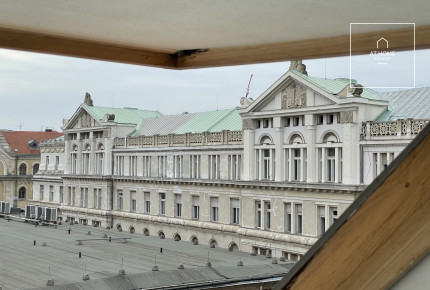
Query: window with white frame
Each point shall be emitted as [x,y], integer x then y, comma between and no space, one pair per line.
[288,218]
[194,166]
[265,159]
[74,160]
[258,214]
[331,164]
[234,163]
[119,165]
[213,166]
[84,197]
[330,159]
[381,160]
[234,211]
[61,193]
[162,207]
[214,209]
[100,160]
[178,205]
[51,193]
[333,214]
[73,196]
[177,165]
[267,215]
[299,218]
[195,210]
[147,202]
[46,163]
[146,166]
[120,203]
[133,201]
[321,221]
[162,166]
[86,159]
[295,159]
[41,192]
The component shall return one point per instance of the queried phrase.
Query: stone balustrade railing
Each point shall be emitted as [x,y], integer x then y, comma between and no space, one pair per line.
[406,127]
[178,140]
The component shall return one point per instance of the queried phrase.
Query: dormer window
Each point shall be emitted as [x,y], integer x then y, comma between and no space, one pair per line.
[32,144]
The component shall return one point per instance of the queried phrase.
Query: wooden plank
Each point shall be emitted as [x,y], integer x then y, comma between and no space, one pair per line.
[399,39]
[44,43]
[306,49]
[384,233]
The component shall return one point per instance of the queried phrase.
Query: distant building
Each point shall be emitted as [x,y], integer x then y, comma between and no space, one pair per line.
[19,160]
[269,177]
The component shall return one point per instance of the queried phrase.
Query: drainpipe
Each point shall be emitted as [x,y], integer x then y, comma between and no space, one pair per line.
[16,172]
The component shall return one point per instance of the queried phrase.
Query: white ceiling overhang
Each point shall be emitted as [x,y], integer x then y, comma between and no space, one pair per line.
[191,34]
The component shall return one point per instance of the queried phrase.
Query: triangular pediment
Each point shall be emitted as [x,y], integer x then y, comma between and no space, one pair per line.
[292,92]
[82,119]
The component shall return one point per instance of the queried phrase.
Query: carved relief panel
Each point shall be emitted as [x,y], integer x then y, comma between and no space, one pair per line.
[294,97]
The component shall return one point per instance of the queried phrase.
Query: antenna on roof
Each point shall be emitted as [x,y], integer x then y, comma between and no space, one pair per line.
[20,126]
[249,84]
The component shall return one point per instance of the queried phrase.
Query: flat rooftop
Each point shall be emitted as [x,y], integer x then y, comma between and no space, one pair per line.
[25,266]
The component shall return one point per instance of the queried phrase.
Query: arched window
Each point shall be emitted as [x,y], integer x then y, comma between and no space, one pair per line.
[23,169]
[22,192]
[265,156]
[35,168]
[330,158]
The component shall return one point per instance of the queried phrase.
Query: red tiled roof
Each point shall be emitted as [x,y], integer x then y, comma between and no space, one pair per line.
[19,140]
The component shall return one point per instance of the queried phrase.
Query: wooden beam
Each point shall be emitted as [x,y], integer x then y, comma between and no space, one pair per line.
[400,39]
[380,236]
[59,45]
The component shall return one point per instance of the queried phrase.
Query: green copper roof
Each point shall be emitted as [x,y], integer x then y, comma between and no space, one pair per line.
[334,86]
[122,115]
[213,121]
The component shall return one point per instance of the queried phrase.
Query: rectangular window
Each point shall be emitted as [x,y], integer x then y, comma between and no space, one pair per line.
[74,163]
[84,197]
[162,166]
[267,212]
[61,194]
[234,163]
[288,220]
[120,199]
[214,209]
[177,166]
[57,162]
[133,204]
[296,121]
[331,161]
[266,164]
[99,198]
[258,217]
[287,122]
[47,163]
[147,202]
[296,164]
[95,198]
[320,120]
[196,208]
[42,189]
[51,193]
[73,196]
[321,220]
[234,211]
[99,163]
[178,205]
[162,209]
[146,166]
[333,214]
[194,166]
[299,219]
[86,163]
[330,119]
[69,196]
[213,166]
[132,165]
[266,123]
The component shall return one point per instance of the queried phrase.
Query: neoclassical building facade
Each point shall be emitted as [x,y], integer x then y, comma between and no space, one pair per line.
[268,177]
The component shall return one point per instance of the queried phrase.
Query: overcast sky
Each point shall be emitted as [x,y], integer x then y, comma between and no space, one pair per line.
[38,90]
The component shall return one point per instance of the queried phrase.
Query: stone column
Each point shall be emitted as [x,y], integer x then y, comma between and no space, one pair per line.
[249,161]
